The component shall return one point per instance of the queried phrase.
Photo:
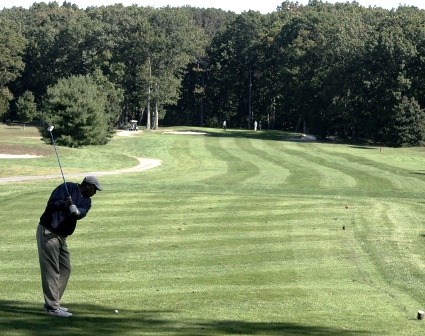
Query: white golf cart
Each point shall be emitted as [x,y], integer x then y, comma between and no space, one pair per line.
[133,125]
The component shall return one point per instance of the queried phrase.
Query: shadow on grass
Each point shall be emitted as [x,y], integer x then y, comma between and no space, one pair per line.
[289,136]
[21,318]
[363,147]
[261,134]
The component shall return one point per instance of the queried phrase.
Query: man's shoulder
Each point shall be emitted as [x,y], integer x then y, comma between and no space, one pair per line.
[72,185]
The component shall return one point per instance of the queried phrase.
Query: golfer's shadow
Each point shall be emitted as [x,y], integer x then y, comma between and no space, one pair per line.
[29,319]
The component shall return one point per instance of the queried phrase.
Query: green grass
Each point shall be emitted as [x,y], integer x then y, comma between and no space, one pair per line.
[236,233]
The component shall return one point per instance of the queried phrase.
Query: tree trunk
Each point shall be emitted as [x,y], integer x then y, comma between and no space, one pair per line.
[201,110]
[141,112]
[148,115]
[271,116]
[148,104]
[250,113]
[155,121]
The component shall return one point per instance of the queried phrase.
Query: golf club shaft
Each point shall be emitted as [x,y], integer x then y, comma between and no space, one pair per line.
[59,161]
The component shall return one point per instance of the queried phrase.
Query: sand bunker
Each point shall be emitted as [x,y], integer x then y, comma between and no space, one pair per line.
[185,132]
[18,156]
[127,133]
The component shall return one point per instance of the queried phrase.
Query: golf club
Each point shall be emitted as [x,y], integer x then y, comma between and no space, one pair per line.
[50,129]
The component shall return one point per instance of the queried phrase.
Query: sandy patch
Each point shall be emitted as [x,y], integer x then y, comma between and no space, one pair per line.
[127,133]
[185,132]
[144,164]
[18,156]
[130,133]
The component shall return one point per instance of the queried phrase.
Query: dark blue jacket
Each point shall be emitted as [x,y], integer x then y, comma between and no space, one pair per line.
[57,217]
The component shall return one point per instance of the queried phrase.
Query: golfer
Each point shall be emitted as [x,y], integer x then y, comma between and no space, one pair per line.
[67,204]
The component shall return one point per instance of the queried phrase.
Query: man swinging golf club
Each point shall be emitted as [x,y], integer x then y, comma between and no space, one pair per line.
[56,223]
[67,204]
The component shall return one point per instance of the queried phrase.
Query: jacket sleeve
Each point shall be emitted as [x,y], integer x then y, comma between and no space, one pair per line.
[84,208]
[83,204]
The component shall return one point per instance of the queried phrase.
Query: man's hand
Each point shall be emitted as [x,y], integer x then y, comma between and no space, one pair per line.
[68,202]
[74,210]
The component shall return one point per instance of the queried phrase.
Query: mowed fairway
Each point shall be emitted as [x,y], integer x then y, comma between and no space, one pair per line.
[236,233]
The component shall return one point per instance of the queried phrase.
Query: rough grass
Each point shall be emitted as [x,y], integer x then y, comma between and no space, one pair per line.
[237,233]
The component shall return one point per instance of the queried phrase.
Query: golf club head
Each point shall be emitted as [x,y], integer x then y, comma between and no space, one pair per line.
[50,128]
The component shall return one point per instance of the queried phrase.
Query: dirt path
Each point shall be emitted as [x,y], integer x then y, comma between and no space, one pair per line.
[144,164]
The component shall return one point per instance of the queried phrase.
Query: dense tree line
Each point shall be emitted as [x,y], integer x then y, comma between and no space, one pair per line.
[327,69]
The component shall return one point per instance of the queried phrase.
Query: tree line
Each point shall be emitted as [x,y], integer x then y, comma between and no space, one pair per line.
[327,69]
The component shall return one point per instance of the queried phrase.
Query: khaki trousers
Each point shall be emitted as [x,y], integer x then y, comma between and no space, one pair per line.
[55,265]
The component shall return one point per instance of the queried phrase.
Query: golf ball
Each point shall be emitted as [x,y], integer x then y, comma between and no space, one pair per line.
[116,311]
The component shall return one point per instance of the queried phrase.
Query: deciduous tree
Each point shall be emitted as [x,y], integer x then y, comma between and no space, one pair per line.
[12,45]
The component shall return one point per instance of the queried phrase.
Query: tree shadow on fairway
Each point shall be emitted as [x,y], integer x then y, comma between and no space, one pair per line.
[22,318]
[288,136]
[250,134]
[363,147]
